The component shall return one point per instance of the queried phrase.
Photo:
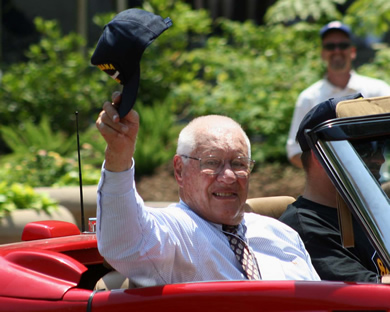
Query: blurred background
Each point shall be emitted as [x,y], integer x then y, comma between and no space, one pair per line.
[248,59]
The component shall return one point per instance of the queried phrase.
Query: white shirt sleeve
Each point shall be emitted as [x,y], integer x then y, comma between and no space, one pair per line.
[120,221]
[140,242]
[302,106]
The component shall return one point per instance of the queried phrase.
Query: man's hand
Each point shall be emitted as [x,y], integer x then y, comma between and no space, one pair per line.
[120,135]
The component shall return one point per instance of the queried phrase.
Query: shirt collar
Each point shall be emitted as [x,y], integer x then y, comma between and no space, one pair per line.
[353,84]
[241,227]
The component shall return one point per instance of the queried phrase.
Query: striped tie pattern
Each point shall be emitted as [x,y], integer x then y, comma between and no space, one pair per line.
[242,252]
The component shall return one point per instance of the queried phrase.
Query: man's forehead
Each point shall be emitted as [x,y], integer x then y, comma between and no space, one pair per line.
[216,145]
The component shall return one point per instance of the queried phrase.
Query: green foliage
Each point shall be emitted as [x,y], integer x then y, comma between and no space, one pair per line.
[27,138]
[198,66]
[56,81]
[92,147]
[369,17]
[90,176]
[284,11]
[156,143]
[252,74]
[161,69]
[156,137]
[103,19]
[366,17]
[18,196]
[35,169]
[47,168]
[42,157]
[380,67]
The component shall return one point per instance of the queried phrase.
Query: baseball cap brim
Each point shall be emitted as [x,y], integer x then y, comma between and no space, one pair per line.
[129,93]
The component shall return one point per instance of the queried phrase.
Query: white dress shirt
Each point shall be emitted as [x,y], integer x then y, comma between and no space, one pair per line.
[154,246]
[323,90]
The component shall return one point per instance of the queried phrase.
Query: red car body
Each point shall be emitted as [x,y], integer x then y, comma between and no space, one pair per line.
[55,267]
[57,273]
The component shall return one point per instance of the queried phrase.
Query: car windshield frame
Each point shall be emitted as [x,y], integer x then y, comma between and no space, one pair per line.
[331,142]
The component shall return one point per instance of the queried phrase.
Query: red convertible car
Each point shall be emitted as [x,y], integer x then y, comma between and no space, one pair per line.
[56,268]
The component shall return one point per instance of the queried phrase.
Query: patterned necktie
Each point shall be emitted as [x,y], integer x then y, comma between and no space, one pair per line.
[242,252]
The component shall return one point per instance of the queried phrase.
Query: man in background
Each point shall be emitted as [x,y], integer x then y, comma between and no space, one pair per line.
[338,52]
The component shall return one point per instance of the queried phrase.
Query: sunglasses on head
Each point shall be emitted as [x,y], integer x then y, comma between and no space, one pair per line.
[333,46]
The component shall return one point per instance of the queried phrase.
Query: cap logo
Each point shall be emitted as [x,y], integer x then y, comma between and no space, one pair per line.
[111,71]
[335,24]
[120,48]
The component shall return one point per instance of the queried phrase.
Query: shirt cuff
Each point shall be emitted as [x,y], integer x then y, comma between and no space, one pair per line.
[116,183]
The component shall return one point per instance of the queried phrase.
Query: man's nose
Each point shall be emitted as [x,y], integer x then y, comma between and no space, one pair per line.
[227,174]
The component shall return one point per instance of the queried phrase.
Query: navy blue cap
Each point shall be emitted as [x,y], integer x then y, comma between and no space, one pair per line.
[119,49]
[336,25]
[318,114]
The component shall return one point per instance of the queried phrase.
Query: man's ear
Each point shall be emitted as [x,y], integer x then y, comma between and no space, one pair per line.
[178,169]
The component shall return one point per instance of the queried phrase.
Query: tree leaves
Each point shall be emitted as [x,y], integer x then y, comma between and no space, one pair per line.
[287,11]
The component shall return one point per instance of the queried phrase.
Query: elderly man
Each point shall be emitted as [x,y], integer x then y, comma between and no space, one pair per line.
[207,235]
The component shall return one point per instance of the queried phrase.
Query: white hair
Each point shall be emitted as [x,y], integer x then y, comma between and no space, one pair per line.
[188,137]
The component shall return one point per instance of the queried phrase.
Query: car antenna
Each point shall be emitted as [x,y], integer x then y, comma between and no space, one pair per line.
[80,175]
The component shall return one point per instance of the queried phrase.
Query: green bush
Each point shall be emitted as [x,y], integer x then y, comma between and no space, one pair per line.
[90,176]
[156,141]
[49,86]
[198,66]
[248,72]
[45,168]
[18,196]
[27,137]
[56,81]
[252,74]
[41,157]
[380,66]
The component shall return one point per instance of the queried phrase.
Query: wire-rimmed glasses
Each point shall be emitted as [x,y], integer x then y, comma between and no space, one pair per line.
[241,166]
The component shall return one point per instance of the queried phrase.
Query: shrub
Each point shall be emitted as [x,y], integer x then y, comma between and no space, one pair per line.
[57,81]
[199,66]
[18,196]
[28,138]
[48,169]
[41,157]
[156,137]
[252,74]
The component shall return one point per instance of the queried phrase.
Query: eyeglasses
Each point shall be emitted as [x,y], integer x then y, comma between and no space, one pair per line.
[241,166]
[331,46]
[369,149]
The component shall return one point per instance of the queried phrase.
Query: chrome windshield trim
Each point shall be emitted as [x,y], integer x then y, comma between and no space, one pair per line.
[360,190]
